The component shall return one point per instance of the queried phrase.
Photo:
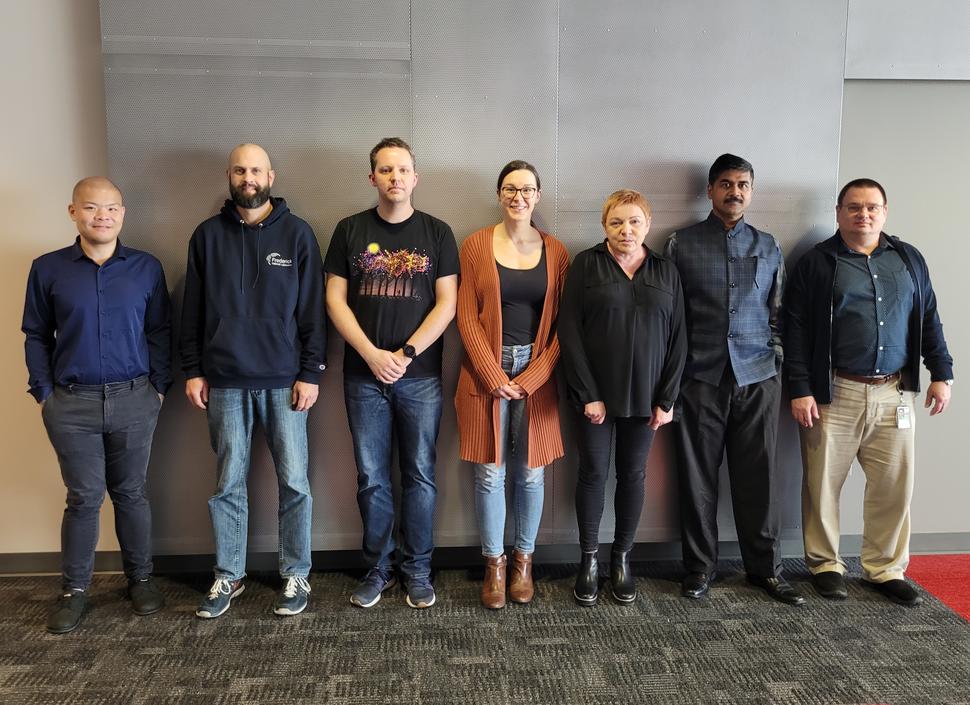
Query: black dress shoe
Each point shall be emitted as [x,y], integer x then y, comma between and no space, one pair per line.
[621,577]
[777,589]
[830,584]
[696,585]
[67,614]
[899,591]
[145,597]
[587,581]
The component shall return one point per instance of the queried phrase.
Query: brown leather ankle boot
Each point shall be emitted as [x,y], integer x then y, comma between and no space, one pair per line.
[521,588]
[493,587]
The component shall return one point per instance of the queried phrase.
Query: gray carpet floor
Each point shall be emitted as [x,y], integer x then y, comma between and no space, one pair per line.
[736,646]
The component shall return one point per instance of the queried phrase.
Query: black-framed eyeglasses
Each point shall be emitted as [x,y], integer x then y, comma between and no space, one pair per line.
[527,192]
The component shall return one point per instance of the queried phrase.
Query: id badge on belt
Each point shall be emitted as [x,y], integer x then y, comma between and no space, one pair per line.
[904,417]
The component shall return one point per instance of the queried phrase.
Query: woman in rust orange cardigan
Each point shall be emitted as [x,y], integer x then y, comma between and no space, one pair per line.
[512,276]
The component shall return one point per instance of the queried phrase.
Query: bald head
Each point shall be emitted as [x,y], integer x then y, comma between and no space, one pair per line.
[248,153]
[101,184]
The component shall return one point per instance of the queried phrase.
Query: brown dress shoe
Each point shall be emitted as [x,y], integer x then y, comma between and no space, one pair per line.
[521,588]
[493,587]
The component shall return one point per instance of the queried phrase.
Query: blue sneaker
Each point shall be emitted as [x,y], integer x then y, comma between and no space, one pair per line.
[220,595]
[368,593]
[293,597]
[420,593]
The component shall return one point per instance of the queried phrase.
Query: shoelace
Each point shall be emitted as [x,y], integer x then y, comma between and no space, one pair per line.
[220,586]
[292,583]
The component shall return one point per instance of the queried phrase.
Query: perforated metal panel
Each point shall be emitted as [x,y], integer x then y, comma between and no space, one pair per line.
[598,96]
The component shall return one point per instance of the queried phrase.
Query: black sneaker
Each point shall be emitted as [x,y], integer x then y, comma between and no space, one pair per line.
[294,596]
[67,614]
[898,590]
[145,596]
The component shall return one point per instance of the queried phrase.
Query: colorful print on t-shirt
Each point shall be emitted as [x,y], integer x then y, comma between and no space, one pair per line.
[390,273]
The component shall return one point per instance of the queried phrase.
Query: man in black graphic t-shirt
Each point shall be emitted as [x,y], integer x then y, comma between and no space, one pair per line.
[392,286]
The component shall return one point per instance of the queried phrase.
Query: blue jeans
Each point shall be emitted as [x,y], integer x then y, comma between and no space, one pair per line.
[232,415]
[410,410]
[527,483]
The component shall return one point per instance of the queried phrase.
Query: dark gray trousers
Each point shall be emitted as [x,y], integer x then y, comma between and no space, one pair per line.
[103,438]
[743,421]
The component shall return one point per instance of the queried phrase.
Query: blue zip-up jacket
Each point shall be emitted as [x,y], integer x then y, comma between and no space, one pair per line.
[253,315]
[808,323]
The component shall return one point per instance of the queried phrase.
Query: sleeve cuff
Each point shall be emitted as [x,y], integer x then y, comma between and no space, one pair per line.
[40,394]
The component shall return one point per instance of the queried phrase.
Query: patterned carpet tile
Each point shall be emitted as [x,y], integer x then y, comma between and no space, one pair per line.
[735,647]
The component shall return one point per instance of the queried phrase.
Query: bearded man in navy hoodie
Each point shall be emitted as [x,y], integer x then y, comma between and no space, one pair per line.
[253,345]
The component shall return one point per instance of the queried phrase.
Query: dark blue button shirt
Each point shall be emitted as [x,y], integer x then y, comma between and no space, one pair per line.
[87,324]
[872,302]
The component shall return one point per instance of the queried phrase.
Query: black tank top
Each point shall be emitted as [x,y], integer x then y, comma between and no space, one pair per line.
[523,293]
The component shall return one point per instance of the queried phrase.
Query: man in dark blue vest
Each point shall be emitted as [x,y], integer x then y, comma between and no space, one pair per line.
[733,275]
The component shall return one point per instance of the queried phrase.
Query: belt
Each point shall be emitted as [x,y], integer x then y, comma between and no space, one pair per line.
[111,388]
[875,381]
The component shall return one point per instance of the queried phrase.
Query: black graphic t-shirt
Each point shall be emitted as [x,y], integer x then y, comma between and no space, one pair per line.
[391,270]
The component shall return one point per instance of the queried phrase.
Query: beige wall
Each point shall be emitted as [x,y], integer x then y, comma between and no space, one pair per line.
[53,134]
[912,137]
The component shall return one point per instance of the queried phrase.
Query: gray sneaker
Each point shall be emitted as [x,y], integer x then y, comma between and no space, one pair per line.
[293,597]
[420,593]
[368,593]
[220,595]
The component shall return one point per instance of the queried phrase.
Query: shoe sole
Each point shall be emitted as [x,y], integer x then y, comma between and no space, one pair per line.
[287,612]
[207,615]
[585,601]
[145,613]
[694,595]
[387,586]
[624,600]
[420,605]
[64,631]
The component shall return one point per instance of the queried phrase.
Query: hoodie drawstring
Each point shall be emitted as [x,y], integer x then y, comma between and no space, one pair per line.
[242,234]
[259,233]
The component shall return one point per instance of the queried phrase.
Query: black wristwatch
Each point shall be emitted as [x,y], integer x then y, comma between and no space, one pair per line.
[409,351]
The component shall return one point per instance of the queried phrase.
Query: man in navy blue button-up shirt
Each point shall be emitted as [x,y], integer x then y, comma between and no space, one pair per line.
[733,275]
[97,323]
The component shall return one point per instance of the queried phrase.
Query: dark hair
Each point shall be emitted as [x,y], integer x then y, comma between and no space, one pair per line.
[728,162]
[862,183]
[390,142]
[517,165]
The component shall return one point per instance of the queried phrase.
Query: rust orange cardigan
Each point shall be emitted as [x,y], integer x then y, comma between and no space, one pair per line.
[480,324]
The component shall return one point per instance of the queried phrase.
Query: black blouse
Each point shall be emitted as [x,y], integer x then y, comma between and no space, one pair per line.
[623,340]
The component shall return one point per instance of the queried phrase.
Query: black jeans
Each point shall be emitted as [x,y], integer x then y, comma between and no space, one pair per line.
[102,435]
[744,422]
[633,440]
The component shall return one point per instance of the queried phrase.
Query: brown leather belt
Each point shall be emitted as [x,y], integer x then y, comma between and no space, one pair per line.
[875,381]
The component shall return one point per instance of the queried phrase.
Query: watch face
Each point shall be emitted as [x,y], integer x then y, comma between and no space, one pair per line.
[409,351]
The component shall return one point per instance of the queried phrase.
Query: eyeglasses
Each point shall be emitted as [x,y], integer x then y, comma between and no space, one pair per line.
[527,192]
[857,208]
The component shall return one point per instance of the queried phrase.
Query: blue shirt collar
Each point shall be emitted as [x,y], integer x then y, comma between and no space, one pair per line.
[121,252]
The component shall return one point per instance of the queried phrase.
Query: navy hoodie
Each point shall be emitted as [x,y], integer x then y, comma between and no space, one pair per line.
[253,316]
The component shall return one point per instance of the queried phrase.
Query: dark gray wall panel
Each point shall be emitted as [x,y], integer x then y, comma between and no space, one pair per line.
[650,96]
[484,93]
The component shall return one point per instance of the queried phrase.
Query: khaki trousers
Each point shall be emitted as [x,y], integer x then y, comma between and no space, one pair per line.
[860,423]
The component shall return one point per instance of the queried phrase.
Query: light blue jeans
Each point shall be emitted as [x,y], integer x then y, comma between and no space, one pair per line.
[527,483]
[232,413]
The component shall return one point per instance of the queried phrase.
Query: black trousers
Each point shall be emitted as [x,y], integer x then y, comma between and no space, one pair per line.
[103,439]
[743,421]
[633,440]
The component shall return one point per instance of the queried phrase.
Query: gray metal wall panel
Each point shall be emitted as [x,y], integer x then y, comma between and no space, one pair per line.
[625,94]
[648,98]
[484,94]
[896,39]
[169,135]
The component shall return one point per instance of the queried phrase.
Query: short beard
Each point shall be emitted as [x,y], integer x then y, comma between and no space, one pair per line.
[255,201]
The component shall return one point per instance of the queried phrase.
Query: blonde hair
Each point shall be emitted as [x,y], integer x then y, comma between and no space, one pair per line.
[624,197]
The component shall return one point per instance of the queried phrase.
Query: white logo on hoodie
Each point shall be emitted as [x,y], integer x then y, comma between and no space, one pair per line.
[276,260]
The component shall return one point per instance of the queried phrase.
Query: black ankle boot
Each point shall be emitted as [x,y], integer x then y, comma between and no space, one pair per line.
[587,581]
[621,578]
